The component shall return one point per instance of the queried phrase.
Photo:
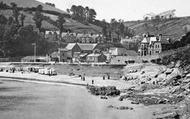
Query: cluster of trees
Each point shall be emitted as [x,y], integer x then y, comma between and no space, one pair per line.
[182,56]
[87,15]
[50,4]
[116,27]
[16,38]
[82,14]
[183,42]
[4,6]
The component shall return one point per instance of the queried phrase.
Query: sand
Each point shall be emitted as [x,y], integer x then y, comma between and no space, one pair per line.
[98,81]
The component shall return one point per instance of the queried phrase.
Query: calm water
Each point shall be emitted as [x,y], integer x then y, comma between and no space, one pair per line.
[21,100]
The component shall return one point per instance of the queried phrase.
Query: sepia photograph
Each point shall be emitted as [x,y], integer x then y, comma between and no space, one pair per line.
[94,59]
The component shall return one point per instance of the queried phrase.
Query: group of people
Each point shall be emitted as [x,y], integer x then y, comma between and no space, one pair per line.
[83,76]
[104,77]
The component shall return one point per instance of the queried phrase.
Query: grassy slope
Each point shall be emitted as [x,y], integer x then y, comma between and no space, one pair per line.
[71,24]
[173,28]
[32,3]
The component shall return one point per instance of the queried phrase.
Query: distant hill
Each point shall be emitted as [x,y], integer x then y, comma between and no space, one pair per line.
[173,28]
[70,24]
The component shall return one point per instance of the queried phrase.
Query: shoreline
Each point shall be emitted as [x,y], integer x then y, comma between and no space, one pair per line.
[65,79]
[39,81]
[62,63]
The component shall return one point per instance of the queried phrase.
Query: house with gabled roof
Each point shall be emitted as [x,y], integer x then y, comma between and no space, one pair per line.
[87,47]
[150,46]
[69,51]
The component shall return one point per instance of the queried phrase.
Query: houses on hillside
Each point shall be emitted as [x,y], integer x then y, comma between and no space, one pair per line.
[164,15]
[68,37]
[131,43]
[128,50]
[93,52]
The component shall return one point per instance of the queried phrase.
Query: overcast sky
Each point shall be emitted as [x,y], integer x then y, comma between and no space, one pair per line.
[127,9]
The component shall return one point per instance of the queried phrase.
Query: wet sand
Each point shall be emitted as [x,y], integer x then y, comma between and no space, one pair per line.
[22,100]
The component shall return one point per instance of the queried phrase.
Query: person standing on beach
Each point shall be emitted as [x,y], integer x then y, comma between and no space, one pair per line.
[83,77]
[92,81]
[103,77]
[108,76]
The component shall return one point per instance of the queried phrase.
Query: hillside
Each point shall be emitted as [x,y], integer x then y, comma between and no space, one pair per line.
[171,28]
[32,3]
[70,24]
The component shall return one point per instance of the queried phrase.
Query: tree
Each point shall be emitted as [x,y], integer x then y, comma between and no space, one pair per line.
[92,15]
[22,18]
[73,10]
[50,4]
[104,27]
[3,19]
[87,13]
[15,12]
[68,11]
[129,32]
[38,17]
[3,5]
[59,23]
[10,20]
[82,14]
[121,29]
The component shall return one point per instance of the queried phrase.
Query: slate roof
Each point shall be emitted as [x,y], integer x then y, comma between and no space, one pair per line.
[70,46]
[87,46]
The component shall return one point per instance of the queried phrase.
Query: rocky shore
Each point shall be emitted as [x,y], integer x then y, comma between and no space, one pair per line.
[159,84]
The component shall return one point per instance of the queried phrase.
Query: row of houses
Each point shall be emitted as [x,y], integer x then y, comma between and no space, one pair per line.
[164,15]
[75,52]
[74,37]
[88,52]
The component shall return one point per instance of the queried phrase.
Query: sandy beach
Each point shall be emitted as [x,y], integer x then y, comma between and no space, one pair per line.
[74,80]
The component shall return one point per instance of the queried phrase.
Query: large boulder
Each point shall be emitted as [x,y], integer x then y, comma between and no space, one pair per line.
[162,77]
[175,72]
[168,71]
[174,77]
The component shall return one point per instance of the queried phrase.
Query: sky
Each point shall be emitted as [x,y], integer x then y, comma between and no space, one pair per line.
[127,10]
